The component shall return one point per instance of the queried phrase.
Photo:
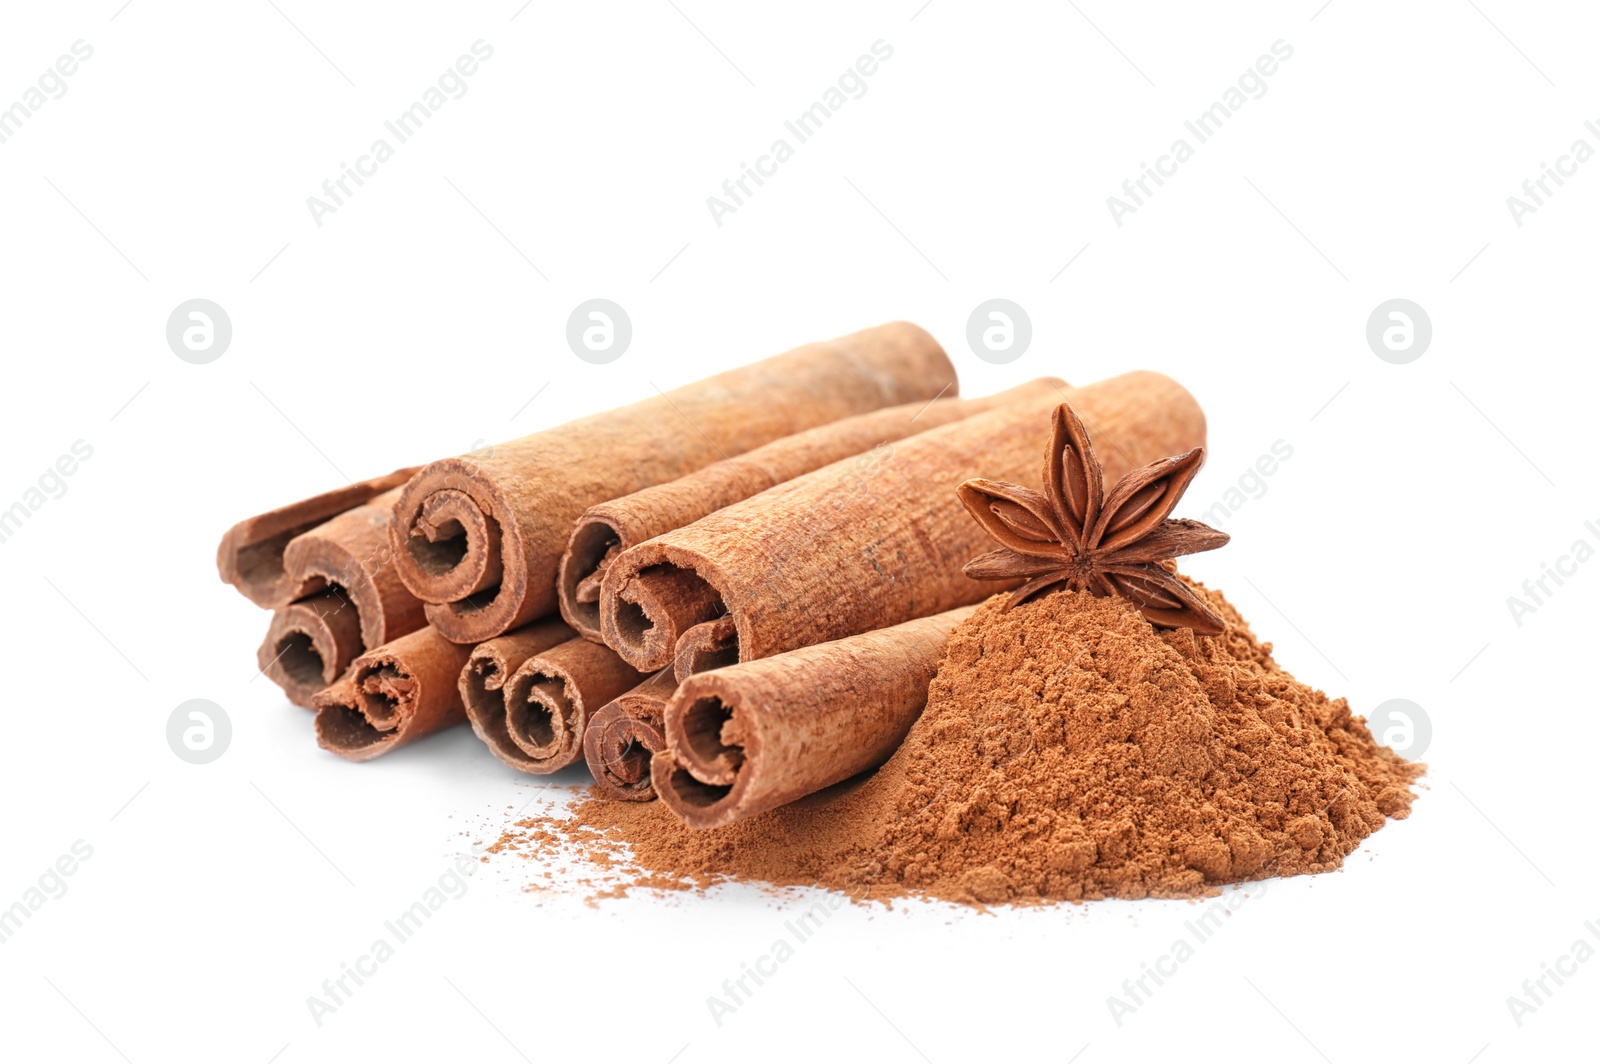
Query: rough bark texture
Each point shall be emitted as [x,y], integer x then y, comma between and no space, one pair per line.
[250,556]
[344,566]
[757,735]
[396,694]
[479,538]
[833,553]
[618,524]
[534,719]
[624,735]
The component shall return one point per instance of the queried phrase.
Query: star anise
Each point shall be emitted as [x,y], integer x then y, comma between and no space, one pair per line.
[1074,534]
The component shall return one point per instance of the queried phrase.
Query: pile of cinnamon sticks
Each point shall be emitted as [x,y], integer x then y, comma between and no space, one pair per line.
[728,596]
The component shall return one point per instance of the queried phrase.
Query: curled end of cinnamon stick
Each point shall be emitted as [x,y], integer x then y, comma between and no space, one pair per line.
[649,601]
[593,546]
[530,698]
[396,694]
[458,549]
[309,645]
[624,735]
[619,750]
[351,556]
[489,670]
[701,776]
[545,717]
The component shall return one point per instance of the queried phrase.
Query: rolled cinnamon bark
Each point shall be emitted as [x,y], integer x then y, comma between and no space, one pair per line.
[310,645]
[705,647]
[480,539]
[346,566]
[250,556]
[396,694]
[618,524]
[757,735]
[830,553]
[490,669]
[535,716]
[624,735]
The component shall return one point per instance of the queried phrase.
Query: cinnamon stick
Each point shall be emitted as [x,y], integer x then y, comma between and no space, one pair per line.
[757,735]
[618,524]
[624,735]
[479,539]
[824,556]
[349,597]
[310,645]
[533,715]
[489,670]
[250,556]
[396,694]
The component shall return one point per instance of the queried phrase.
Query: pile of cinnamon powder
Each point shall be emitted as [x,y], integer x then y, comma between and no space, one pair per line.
[1069,750]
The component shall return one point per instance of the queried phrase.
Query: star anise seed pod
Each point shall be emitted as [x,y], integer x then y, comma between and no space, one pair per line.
[1074,534]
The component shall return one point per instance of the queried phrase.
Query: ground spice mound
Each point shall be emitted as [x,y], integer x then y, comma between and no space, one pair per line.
[1069,750]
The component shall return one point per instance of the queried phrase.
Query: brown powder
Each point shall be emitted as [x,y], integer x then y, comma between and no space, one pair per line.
[1069,751]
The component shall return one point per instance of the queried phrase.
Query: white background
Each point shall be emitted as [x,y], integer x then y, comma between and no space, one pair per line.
[421,318]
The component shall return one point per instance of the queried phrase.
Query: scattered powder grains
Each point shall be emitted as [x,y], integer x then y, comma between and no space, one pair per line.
[1069,751]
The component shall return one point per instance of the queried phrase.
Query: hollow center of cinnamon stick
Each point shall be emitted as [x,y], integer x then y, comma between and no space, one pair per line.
[705,727]
[694,791]
[535,711]
[381,691]
[441,550]
[632,621]
[627,761]
[591,544]
[481,676]
[476,603]
[297,656]
[656,606]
